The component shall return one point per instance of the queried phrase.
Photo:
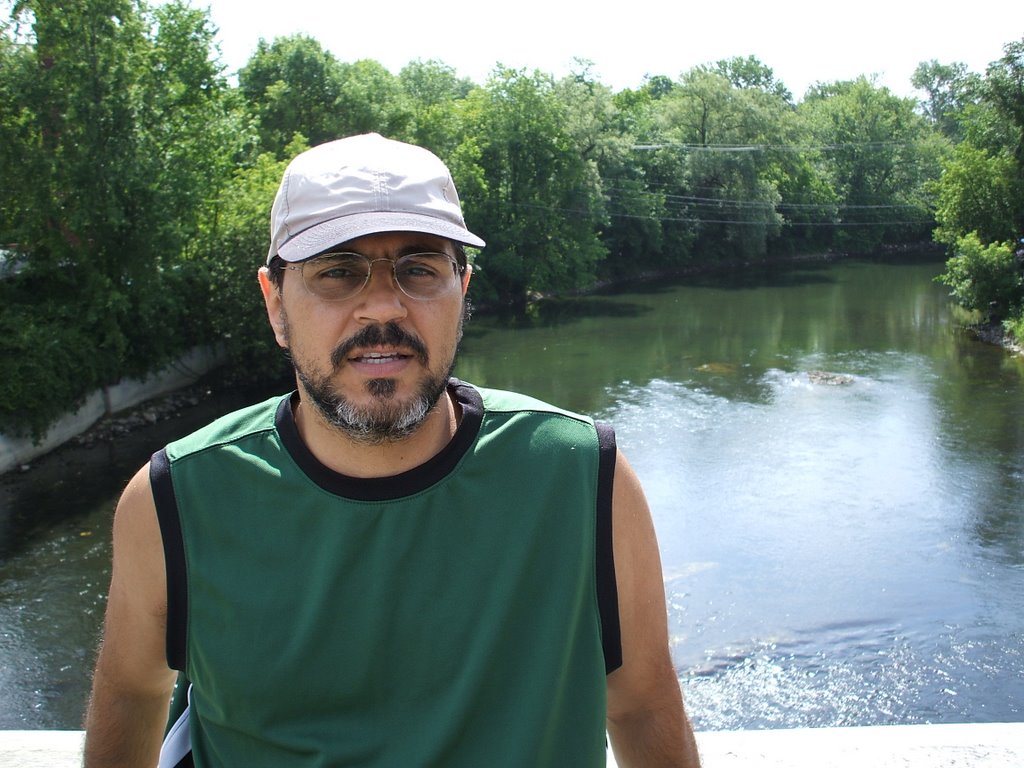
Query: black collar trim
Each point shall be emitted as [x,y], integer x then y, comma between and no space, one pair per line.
[397,486]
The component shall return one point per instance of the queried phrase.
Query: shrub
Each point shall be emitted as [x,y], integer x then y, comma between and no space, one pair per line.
[986,278]
[48,364]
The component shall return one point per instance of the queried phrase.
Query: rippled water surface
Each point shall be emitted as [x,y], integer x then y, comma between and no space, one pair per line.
[836,473]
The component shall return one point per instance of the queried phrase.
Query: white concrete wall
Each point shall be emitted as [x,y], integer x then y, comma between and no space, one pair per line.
[15,451]
[990,745]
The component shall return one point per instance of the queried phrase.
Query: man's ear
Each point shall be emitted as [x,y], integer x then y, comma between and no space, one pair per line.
[465,278]
[275,310]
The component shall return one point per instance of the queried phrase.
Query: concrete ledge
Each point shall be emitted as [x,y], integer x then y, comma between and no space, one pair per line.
[987,745]
[41,749]
[109,400]
[983,745]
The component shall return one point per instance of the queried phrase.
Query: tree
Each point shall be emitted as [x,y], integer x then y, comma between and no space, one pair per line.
[292,86]
[82,104]
[949,89]
[233,249]
[1005,90]
[982,185]
[750,73]
[799,172]
[17,72]
[985,278]
[190,126]
[117,129]
[980,197]
[530,190]
[723,137]
[371,99]
[880,154]
[432,92]
[978,194]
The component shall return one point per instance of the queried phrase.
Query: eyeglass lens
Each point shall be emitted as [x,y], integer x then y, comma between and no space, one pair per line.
[337,276]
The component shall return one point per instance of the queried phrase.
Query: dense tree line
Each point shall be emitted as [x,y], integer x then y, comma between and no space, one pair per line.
[136,178]
[979,198]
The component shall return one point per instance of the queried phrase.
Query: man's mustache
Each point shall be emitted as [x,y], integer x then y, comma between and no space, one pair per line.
[386,335]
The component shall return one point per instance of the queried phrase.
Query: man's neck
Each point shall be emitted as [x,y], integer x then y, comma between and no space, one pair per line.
[343,454]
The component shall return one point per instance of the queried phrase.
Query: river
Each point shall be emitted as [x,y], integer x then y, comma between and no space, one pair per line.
[835,470]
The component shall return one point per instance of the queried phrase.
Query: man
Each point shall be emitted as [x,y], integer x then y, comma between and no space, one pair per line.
[388,567]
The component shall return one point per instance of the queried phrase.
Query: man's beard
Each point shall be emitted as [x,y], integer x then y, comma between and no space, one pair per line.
[383,420]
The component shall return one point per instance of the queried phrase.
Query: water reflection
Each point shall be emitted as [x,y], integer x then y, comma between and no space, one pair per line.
[689,331]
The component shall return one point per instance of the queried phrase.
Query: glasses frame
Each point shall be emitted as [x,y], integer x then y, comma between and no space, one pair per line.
[458,270]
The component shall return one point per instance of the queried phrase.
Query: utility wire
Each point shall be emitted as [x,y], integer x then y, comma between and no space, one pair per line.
[737,222]
[772,147]
[639,193]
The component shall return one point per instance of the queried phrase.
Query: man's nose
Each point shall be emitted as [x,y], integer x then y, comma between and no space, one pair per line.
[382,301]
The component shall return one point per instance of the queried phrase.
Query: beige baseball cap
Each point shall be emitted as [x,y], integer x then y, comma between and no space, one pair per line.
[358,186]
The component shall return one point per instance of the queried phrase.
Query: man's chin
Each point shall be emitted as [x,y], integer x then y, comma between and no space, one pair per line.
[382,389]
[378,410]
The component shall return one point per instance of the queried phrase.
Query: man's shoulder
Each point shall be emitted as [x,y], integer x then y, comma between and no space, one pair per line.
[508,401]
[255,419]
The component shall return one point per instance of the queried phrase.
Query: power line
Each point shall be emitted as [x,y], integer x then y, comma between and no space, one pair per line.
[755,203]
[735,222]
[772,147]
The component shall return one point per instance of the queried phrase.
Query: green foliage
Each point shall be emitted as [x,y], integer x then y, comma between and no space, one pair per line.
[538,207]
[48,364]
[372,100]
[752,74]
[725,198]
[431,92]
[980,196]
[235,248]
[985,278]
[137,180]
[118,139]
[1015,326]
[976,193]
[292,86]
[1004,89]
[950,90]
[879,157]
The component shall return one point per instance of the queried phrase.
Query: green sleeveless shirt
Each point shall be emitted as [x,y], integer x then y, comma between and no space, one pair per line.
[459,614]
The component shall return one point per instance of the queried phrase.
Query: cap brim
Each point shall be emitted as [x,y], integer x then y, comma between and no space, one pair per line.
[322,236]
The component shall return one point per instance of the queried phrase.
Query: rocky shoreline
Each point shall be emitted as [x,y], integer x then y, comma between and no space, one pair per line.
[146,414]
[994,333]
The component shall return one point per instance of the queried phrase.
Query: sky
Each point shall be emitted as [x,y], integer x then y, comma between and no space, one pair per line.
[802,41]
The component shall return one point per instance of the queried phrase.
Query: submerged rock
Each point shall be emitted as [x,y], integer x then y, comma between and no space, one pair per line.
[829,379]
[718,368]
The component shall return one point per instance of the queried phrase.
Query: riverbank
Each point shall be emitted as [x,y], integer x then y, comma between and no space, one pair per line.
[994,333]
[987,745]
[113,411]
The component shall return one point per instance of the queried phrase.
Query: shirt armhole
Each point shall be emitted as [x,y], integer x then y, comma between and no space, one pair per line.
[607,590]
[174,557]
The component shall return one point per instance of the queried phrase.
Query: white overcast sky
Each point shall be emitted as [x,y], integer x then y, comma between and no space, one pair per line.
[803,41]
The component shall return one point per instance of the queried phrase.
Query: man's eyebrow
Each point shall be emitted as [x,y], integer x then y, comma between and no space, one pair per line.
[421,247]
[412,246]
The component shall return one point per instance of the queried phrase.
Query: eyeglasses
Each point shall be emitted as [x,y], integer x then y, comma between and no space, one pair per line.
[339,276]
